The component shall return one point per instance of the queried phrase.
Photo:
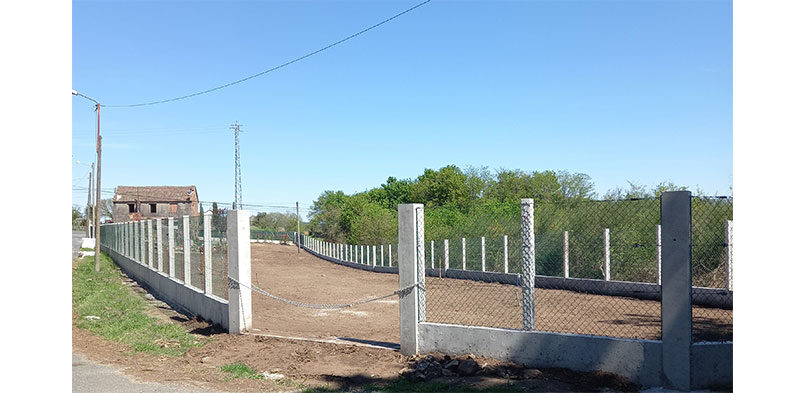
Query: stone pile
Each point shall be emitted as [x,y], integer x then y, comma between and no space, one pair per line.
[436,365]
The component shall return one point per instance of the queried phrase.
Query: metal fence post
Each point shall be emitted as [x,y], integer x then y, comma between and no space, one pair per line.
[729,255]
[208,253]
[676,289]
[239,268]
[506,255]
[566,256]
[607,254]
[411,264]
[171,248]
[528,262]
[159,244]
[186,247]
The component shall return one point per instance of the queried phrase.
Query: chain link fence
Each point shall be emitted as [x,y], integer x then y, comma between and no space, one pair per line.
[712,265]
[458,247]
[218,230]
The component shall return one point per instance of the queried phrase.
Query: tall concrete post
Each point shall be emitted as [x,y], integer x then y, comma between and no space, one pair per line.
[483,256]
[660,251]
[566,256]
[411,265]
[159,245]
[729,255]
[675,217]
[607,254]
[381,254]
[186,247]
[136,236]
[446,254]
[171,248]
[506,255]
[374,255]
[239,267]
[464,255]
[150,231]
[142,242]
[528,262]
[432,254]
[208,253]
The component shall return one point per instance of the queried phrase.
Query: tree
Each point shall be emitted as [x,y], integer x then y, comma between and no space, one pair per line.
[446,187]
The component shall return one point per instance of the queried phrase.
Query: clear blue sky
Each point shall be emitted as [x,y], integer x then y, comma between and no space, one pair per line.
[636,91]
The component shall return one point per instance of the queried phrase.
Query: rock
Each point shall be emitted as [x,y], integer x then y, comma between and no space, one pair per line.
[205,359]
[92,317]
[273,376]
[452,365]
[149,296]
[421,366]
[448,373]
[467,367]
[532,373]
[419,376]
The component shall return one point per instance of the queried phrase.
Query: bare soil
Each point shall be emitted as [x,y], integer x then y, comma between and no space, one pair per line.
[281,271]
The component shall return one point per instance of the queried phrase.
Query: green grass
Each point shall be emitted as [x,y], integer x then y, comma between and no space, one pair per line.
[240,370]
[86,249]
[121,312]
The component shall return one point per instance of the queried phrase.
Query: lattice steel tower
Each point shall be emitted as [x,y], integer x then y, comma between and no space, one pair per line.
[238,203]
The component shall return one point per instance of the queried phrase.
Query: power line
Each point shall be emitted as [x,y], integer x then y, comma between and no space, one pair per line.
[273,68]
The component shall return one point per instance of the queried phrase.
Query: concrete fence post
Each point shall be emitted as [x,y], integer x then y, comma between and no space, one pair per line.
[208,253]
[483,257]
[142,242]
[239,268]
[528,262]
[607,254]
[566,256]
[506,255]
[411,265]
[136,233]
[126,239]
[150,231]
[159,244]
[432,254]
[361,255]
[171,248]
[446,255]
[729,255]
[186,247]
[374,255]
[381,254]
[390,255]
[660,251]
[676,289]
[464,257]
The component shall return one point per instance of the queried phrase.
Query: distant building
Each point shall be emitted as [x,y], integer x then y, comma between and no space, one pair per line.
[133,203]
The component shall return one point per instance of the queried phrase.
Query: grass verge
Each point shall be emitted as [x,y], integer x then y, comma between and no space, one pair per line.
[105,306]
[240,370]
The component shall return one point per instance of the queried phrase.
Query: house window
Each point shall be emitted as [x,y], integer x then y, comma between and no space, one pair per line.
[173,208]
[132,209]
[153,207]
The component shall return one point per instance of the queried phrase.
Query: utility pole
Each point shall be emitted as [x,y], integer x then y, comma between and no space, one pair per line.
[98,192]
[299,235]
[238,203]
[89,203]
[97,183]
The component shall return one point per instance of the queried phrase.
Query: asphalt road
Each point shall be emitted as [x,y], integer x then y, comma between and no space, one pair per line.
[89,377]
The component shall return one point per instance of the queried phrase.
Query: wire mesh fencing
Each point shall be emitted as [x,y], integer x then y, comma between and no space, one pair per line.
[218,250]
[712,267]
[468,298]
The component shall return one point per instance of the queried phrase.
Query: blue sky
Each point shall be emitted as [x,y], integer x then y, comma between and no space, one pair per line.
[636,91]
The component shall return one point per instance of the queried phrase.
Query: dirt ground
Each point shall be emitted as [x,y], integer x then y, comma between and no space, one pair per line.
[281,271]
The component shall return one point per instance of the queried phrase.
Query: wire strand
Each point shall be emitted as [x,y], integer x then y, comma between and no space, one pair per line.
[273,68]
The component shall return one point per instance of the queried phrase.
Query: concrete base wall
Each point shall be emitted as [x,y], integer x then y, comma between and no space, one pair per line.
[708,297]
[181,297]
[638,360]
